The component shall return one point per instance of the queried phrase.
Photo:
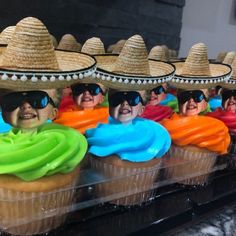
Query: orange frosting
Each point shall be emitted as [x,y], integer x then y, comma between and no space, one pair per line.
[200,131]
[82,120]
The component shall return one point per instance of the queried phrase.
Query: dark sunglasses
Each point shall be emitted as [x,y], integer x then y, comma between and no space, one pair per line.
[36,99]
[93,89]
[133,98]
[158,90]
[196,95]
[226,94]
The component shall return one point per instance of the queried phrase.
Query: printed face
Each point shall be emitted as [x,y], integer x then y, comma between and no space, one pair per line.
[87,96]
[30,109]
[192,102]
[229,100]
[157,95]
[126,106]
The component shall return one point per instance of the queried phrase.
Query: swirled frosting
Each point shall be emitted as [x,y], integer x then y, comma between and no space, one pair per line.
[228,117]
[66,102]
[200,131]
[215,102]
[156,113]
[169,98]
[52,149]
[139,141]
[82,120]
[4,127]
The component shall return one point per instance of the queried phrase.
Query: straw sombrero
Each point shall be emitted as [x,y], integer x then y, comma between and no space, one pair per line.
[197,73]
[157,53]
[118,46]
[110,48]
[69,43]
[54,41]
[131,69]
[6,34]
[220,57]
[93,46]
[231,83]
[30,61]
[229,57]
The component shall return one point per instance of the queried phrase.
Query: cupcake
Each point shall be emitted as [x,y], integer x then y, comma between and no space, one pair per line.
[86,111]
[38,161]
[196,140]
[127,151]
[228,112]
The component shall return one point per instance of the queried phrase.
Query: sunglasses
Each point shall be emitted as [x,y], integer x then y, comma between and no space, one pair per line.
[36,99]
[196,95]
[93,89]
[158,90]
[228,94]
[133,98]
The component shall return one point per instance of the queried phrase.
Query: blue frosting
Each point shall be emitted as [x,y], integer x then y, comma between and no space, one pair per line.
[4,127]
[215,102]
[139,141]
[169,98]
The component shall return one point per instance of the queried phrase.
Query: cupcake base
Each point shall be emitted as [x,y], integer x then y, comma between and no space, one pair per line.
[132,181]
[187,161]
[35,207]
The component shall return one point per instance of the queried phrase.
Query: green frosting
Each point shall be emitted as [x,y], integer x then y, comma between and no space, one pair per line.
[52,149]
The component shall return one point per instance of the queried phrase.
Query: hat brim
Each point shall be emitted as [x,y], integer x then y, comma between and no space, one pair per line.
[219,73]
[160,72]
[73,66]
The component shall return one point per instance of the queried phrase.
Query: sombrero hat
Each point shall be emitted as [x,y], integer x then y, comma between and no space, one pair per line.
[30,61]
[93,46]
[157,53]
[131,69]
[197,73]
[118,46]
[69,43]
[6,34]
[229,58]
[231,83]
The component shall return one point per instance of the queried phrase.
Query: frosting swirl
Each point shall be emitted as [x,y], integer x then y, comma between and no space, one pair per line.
[4,127]
[139,141]
[200,131]
[82,120]
[215,102]
[53,149]
[228,117]
[156,113]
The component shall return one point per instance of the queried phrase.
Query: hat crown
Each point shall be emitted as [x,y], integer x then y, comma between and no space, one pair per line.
[229,58]
[157,53]
[118,46]
[6,34]
[197,63]
[30,47]
[69,42]
[93,46]
[133,59]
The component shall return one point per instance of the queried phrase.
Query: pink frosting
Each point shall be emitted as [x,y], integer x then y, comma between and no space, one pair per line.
[228,117]
[157,113]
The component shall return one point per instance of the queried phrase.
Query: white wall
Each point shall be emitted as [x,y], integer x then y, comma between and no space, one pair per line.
[211,22]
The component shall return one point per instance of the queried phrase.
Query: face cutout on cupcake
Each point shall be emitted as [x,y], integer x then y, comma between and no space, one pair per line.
[87,96]
[157,95]
[229,100]
[29,109]
[191,102]
[124,106]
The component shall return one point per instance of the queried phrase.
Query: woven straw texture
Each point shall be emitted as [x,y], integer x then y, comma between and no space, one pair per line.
[6,34]
[93,46]
[198,69]
[54,41]
[229,58]
[157,53]
[233,77]
[31,51]
[118,46]
[110,48]
[220,57]
[69,43]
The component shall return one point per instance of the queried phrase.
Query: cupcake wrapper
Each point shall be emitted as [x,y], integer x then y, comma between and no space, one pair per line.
[29,213]
[183,163]
[127,186]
